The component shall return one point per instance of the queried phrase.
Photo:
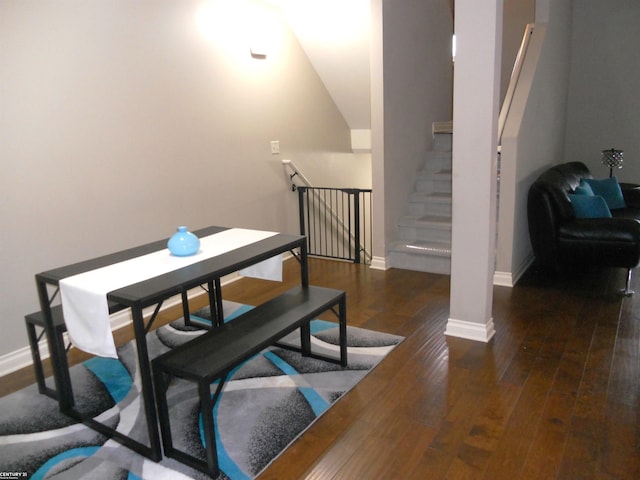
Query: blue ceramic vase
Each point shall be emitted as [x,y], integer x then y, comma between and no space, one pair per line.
[183,243]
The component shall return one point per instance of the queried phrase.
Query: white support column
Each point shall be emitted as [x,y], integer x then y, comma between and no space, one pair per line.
[476,91]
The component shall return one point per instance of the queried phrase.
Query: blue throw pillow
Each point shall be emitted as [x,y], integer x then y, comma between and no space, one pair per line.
[589,206]
[609,189]
[584,189]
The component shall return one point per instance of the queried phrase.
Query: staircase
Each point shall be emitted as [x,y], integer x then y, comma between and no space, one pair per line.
[424,234]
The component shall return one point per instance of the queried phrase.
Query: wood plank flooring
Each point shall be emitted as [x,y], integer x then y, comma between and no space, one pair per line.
[554,395]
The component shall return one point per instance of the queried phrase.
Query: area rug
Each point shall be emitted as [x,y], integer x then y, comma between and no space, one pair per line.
[266,404]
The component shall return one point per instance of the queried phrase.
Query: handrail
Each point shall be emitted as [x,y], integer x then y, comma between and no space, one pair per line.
[513,81]
[297,173]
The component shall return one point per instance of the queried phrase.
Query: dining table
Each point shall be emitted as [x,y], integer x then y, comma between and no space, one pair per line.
[141,279]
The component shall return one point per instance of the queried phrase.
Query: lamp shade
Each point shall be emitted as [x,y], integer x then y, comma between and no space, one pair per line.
[613,158]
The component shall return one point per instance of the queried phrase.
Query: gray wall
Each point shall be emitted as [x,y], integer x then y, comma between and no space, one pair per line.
[534,133]
[584,100]
[604,104]
[120,121]
[517,14]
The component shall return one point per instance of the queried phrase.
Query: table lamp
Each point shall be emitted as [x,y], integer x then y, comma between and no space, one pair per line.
[612,158]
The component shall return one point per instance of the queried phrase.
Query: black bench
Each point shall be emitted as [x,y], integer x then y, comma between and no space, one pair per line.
[214,354]
[36,319]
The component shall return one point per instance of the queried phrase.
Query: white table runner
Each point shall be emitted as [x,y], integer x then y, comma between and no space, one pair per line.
[84,296]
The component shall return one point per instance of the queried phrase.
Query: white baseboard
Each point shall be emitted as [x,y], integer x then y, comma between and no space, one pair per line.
[21,358]
[479,332]
[379,263]
[503,279]
[509,279]
[18,359]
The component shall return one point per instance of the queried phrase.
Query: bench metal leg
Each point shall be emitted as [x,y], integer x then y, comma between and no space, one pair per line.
[161,384]
[305,340]
[343,330]
[37,361]
[206,410]
[207,402]
[34,340]
[305,335]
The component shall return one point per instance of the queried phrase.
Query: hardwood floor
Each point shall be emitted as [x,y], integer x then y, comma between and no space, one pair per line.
[555,394]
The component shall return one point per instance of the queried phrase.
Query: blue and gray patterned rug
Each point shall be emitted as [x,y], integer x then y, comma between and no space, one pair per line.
[268,402]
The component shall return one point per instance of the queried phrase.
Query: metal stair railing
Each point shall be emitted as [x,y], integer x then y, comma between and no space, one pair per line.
[336,221]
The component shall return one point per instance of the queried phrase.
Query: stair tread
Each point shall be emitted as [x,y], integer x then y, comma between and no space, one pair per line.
[442,127]
[432,197]
[422,247]
[426,220]
[445,153]
[437,174]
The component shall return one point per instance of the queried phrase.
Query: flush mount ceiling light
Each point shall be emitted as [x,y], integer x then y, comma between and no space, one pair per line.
[234,26]
[258,51]
[261,31]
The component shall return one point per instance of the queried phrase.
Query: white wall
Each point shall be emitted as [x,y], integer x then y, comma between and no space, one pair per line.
[534,133]
[120,121]
[604,104]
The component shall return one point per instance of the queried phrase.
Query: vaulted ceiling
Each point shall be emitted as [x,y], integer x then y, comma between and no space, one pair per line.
[335,35]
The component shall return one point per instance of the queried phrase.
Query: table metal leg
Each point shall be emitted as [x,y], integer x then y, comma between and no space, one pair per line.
[304,265]
[57,351]
[186,313]
[155,452]
[219,315]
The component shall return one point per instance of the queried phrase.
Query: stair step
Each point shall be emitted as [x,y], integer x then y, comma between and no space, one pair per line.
[442,175]
[442,135]
[434,228]
[436,204]
[432,185]
[436,161]
[437,155]
[421,247]
[442,127]
[422,256]
[433,197]
[433,221]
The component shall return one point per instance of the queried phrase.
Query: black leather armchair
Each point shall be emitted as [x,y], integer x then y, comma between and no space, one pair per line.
[559,239]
